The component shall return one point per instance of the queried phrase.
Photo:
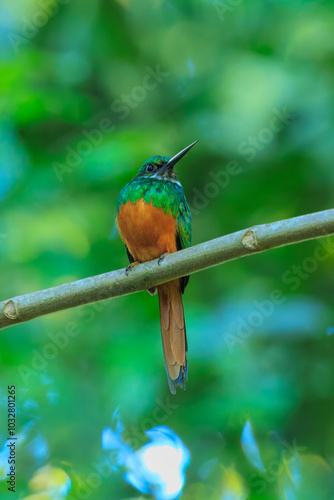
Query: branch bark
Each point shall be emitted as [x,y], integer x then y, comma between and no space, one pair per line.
[149,274]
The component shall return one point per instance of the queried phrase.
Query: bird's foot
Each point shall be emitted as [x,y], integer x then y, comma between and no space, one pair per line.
[161,258]
[133,264]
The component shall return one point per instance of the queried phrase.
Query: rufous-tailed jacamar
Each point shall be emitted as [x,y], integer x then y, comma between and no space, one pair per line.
[154,219]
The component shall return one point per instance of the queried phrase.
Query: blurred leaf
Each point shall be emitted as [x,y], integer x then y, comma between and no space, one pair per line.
[234,486]
[52,481]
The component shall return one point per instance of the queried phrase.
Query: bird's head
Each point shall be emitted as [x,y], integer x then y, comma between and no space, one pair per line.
[162,167]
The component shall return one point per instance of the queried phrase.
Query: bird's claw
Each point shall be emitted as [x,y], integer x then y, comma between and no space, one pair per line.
[133,264]
[161,258]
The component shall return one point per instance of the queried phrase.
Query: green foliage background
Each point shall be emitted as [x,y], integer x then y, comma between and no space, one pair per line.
[227,69]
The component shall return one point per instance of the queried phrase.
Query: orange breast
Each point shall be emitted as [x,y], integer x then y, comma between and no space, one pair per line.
[146,230]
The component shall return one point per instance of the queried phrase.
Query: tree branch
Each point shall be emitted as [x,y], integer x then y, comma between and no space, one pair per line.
[149,274]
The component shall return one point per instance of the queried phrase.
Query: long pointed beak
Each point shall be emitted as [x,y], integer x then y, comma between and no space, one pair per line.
[173,161]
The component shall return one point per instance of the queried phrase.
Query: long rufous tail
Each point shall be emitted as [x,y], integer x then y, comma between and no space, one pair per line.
[173,331]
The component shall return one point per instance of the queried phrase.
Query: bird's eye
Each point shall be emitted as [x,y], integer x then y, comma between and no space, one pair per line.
[150,168]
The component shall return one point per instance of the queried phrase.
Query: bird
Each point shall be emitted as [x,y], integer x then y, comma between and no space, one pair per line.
[154,219]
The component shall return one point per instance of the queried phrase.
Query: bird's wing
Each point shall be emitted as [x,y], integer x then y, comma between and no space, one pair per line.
[131,259]
[183,233]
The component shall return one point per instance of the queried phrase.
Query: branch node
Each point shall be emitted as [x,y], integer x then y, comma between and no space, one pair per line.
[10,310]
[249,240]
